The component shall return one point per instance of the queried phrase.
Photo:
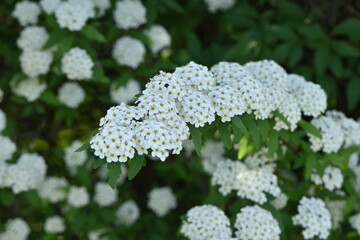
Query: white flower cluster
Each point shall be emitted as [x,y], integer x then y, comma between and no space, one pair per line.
[17,229]
[102,6]
[129,52]
[261,160]
[219,5]
[74,159]
[159,38]
[98,235]
[161,200]
[54,224]
[310,96]
[71,94]
[280,201]
[125,93]
[73,14]
[129,14]
[35,63]
[355,222]
[30,88]
[332,178]
[53,189]
[104,194]
[249,183]
[212,153]
[28,173]
[77,64]
[26,12]
[8,148]
[49,6]
[128,213]
[2,121]
[32,38]
[332,135]
[336,209]
[78,197]
[314,217]
[206,222]
[255,223]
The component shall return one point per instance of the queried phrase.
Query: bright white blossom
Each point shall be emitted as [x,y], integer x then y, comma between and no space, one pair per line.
[125,93]
[71,15]
[129,52]
[78,197]
[219,5]
[255,223]
[77,64]
[206,222]
[71,94]
[8,148]
[30,88]
[336,209]
[128,213]
[49,6]
[34,63]
[314,217]
[159,38]
[331,179]
[87,5]
[161,200]
[53,189]
[104,194]
[129,14]
[32,38]
[54,224]
[26,12]
[27,174]
[16,228]
[355,222]
[261,160]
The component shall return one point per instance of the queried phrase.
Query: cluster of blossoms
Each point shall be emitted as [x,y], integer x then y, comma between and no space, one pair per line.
[159,38]
[355,222]
[78,197]
[71,94]
[77,64]
[161,200]
[219,5]
[336,209]
[54,224]
[332,178]
[30,88]
[280,201]
[16,229]
[314,217]
[128,213]
[104,194]
[261,160]
[125,93]
[2,120]
[26,12]
[53,189]
[129,14]
[8,148]
[129,51]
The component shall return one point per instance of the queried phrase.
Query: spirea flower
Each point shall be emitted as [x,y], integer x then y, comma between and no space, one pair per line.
[336,209]
[104,194]
[78,197]
[332,135]
[255,223]
[32,38]
[310,97]
[355,222]
[53,189]
[8,148]
[212,153]
[280,201]
[332,178]
[34,63]
[159,38]
[161,200]
[71,15]
[16,228]
[77,64]
[125,93]
[71,94]
[49,6]
[28,173]
[219,5]
[30,88]
[54,224]
[128,213]
[314,217]
[206,222]
[72,158]
[2,120]
[261,160]
[291,111]
[129,14]
[102,6]
[87,5]
[26,12]
[128,51]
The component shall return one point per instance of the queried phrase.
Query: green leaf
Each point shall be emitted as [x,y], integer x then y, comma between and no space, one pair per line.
[50,98]
[309,128]
[349,27]
[100,77]
[310,164]
[196,137]
[350,204]
[237,122]
[255,134]
[282,118]
[312,31]
[93,34]
[84,147]
[345,49]
[114,171]
[225,135]
[273,142]
[322,59]
[264,128]
[98,163]
[135,165]
[7,197]
[54,38]
[243,147]
[295,56]
[353,96]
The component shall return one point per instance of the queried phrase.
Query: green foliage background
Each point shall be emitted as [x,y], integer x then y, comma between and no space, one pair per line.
[317,39]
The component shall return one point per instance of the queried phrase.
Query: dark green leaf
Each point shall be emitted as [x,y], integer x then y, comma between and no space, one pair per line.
[55,37]
[295,56]
[254,132]
[353,93]
[273,142]
[93,34]
[196,137]
[282,118]
[50,98]
[236,121]
[98,163]
[135,165]
[310,164]
[84,147]
[309,128]
[345,49]
[349,27]
[114,171]
[322,59]
[225,135]
[264,128]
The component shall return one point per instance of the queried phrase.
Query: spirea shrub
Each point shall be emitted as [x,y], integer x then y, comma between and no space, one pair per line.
[197,120]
